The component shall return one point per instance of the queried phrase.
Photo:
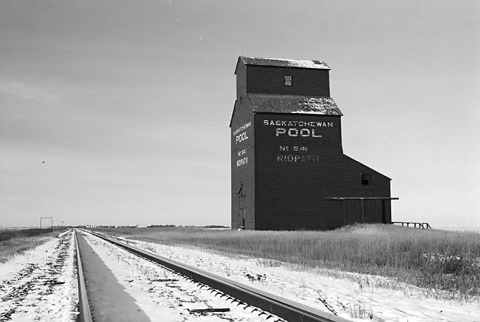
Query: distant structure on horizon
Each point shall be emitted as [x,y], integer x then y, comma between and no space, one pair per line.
[287,163]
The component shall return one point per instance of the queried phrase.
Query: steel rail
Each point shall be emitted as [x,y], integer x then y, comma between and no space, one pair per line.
[283,308]
[83,304]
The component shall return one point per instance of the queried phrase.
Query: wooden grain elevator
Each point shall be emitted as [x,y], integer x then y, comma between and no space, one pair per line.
[287,163]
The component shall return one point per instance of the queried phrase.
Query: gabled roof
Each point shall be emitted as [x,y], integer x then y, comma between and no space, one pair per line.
[264,103]
[277,62]
[349,159]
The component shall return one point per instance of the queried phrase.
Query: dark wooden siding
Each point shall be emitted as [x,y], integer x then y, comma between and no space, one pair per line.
[270,80]
[291,186]
[241,76]
[374,210]
[287,158]
[242,166]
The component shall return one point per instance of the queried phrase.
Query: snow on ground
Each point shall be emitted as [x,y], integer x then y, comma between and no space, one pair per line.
[358,297]
[123,287]
[40,285]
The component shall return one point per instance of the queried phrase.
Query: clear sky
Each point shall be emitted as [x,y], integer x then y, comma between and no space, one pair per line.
[117,112]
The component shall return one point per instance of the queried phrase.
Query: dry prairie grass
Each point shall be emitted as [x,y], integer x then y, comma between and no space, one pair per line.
[14,242]
[444,261]
[6,234]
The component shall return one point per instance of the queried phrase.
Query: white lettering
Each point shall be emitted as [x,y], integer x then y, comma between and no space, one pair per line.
[242,161]
[242,128]
[294,132]
[305,132]
[241,137]
[315,136]
[280,130]
[286,123]
[298,158]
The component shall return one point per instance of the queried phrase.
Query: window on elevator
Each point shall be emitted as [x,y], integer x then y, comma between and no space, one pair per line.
[288,80]
[366,179]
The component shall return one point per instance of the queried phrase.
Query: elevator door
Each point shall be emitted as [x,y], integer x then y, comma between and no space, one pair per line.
[242,211]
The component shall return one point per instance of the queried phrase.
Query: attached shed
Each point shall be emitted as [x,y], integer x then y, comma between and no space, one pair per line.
[288,168]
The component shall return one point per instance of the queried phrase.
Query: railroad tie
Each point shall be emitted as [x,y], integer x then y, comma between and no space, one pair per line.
[210,310]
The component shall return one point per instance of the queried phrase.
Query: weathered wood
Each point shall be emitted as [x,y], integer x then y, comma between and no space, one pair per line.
[306,82]
[242,165]
[209,310]
[285,164]
[423,225]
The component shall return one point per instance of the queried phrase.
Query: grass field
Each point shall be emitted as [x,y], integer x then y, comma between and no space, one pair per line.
[17,241]
[6,234]
[443,262]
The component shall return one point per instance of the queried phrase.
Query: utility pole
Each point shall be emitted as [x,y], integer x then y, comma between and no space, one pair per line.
[51,221]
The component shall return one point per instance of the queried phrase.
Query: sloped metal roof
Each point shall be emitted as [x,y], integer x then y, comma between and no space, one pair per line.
[260,61]
[264,103]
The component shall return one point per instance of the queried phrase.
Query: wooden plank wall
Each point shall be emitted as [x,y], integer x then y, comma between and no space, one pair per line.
[287,164]
[379,187]
[242,165]
[270,80]
[241,76]
[295,173]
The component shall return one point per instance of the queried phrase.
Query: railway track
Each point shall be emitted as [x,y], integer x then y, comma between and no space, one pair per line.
[40,285]
[235,296]
[85,315]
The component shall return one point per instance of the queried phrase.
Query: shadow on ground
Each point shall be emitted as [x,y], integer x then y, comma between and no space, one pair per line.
[109,300]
